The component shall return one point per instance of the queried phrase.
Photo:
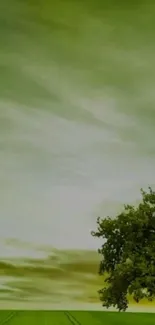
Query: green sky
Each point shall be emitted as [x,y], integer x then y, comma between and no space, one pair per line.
[77,117]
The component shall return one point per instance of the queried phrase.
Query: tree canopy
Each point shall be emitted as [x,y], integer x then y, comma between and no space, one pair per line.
[128,253]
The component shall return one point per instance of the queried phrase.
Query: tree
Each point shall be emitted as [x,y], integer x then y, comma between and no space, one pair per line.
[128,253]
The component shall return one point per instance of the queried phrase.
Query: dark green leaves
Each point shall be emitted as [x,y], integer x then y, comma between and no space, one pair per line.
[128,253]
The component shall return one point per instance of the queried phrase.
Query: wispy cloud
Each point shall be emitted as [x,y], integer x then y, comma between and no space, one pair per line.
[76,118]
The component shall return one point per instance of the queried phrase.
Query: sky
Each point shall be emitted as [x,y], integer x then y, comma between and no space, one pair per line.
[77,116]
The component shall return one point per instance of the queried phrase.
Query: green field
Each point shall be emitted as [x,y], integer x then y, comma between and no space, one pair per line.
[74,318]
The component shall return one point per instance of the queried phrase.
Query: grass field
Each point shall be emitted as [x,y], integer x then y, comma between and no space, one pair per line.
[74,318]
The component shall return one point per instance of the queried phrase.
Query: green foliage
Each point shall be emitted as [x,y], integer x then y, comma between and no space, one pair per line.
[128,253]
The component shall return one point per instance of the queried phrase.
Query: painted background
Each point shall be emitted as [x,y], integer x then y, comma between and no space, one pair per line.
[77,127]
